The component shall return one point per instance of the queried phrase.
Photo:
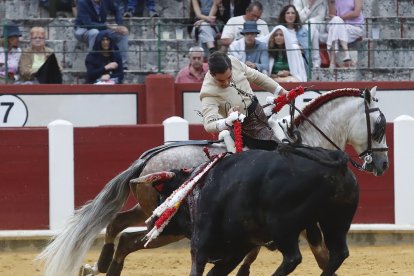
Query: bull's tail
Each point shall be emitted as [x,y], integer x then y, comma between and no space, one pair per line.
[64,254]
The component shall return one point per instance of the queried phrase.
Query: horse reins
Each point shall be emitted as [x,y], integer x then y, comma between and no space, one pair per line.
[365,155]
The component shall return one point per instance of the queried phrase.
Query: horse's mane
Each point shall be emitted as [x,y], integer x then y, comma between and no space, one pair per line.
[316,103]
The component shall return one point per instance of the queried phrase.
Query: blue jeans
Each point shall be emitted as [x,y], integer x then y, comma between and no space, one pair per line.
[132,4]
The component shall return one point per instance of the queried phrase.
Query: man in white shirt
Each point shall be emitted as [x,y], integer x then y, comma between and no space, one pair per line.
[234,25]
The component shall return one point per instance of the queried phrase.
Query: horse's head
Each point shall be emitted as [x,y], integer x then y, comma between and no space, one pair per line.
[367,134]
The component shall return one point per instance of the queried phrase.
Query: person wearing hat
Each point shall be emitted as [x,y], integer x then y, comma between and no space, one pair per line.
[249,50]
[231,31]
[10,37]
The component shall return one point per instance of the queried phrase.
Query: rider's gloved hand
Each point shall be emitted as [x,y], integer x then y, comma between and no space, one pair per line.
[233,116]
[228,122]
[270,100]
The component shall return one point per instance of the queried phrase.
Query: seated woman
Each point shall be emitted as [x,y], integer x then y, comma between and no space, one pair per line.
[104,63]
[346,26]
[208,24]
[12,34]
[285,59]
[38,63]
[290,18]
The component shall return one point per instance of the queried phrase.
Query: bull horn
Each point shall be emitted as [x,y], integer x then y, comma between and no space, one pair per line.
[153,177]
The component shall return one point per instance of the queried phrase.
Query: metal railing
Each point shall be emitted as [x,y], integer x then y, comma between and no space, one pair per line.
[163,47]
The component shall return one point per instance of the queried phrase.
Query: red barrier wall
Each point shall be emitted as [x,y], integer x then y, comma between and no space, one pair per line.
[24,178]
[103,152]
[100,153]
[376,192]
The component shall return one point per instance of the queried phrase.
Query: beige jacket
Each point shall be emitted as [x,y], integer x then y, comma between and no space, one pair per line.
[216,101]
[26,62]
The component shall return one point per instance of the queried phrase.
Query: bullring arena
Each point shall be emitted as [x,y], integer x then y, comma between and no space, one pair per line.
[390,258]
[381,240]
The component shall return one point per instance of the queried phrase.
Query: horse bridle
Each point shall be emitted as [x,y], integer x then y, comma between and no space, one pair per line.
[366,155]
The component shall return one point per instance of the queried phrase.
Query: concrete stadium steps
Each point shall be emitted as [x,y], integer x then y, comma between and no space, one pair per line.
[30,9]
[405,8]
[143,27]
[391,27]
[364,74]
[181,8]
[393,52]
[12,9]
[73,76]
[390,53]
[144,54]
[388,8]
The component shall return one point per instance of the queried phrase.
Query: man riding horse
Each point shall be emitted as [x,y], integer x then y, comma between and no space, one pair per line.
[352,124]
[226,92]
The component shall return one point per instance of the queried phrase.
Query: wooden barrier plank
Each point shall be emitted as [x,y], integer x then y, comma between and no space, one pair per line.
[24,174]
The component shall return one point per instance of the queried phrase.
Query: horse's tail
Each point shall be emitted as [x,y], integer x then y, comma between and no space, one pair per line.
[64,254]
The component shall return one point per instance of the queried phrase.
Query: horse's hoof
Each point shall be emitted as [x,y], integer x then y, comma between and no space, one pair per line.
[115,269]
[244,270]
[105,258]
[88,270]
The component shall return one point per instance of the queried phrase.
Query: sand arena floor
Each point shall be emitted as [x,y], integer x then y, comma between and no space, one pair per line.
[167,261]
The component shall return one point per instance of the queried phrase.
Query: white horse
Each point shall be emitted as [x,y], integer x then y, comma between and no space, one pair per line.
[346,116]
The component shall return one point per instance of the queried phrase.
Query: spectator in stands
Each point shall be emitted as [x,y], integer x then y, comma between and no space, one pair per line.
[207,25]
[10,40]
[249,50]
[104,62]
[285,59]
[91,18]
[73,6]
[234,25]
[132,6]
[196,69]
[314,12]
[232,8]
[289,17]
[38,63]
[346,26]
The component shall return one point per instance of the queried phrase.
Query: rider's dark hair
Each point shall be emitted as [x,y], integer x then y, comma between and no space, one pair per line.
[218,63]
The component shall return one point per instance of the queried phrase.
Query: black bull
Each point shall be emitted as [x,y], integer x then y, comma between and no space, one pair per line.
[262,198]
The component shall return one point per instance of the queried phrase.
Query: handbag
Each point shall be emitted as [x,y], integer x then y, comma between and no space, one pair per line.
[323,53]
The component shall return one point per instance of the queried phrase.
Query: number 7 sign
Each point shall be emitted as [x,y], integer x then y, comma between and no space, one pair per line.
[13,111]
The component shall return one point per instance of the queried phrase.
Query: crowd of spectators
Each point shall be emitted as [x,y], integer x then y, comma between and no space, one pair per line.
[232,26]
